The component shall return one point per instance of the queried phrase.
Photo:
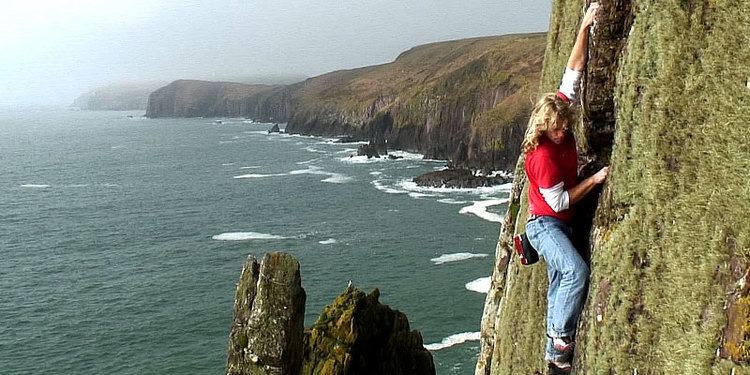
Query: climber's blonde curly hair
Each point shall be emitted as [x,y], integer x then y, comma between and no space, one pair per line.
[550,112]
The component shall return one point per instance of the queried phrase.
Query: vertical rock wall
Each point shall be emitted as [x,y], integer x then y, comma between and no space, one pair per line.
[267,333]
[671,237]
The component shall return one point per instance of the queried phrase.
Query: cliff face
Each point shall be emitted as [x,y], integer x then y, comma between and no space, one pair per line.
[125,97]
[471,95]
[467,100]
[665,102]
[189,98]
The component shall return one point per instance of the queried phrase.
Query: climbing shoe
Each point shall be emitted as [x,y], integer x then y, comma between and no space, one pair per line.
[558,368]
[563,344]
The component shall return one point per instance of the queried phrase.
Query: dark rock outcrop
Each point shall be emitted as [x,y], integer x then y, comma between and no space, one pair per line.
[349,139]
[267,333]
[356,335]
[458,178]
[274,129]
[369,150]
[372,150]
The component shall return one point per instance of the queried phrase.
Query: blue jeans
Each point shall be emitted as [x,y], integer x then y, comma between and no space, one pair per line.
[568,278]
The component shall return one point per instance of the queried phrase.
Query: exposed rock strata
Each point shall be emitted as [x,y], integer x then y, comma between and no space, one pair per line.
[669,241]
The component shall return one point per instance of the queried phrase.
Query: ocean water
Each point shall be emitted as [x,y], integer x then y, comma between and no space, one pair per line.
[122,239]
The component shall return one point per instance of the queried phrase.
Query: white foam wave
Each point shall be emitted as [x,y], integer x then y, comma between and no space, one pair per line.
[310,170]
[227,164]
[479,208]
[306,161]
[451,201]
[447,258]
[337,179]
[376,173]
[410,185]
[311,149]
[403,156]
[329,241]
[346,151]
[335,141]
[452,340]
[258,175]
[251,167]
[246,236]
[480,285]
[379,185]
[35,186]
[354,159]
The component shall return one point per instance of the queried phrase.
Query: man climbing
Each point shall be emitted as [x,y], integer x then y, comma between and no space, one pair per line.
[551,166]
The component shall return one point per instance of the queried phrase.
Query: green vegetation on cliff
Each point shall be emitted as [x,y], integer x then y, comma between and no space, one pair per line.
[433,98]
[670,246]
[472,95]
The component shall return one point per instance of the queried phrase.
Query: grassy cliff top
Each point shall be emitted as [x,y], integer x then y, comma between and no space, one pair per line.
[426,67]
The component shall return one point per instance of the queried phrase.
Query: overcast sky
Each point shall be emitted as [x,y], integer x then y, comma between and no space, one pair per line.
[51,51]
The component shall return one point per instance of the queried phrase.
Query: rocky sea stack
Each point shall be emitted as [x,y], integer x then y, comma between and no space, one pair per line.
[356,334]
[458,178]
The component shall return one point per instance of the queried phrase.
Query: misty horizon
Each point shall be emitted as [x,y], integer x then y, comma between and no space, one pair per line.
[55,51]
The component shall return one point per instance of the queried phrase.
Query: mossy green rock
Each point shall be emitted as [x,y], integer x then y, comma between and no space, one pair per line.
[354,335]
[666,103]
[358,335]
[266,337]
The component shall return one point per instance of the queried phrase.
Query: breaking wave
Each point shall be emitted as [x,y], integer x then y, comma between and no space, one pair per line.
[479,208]
[447,258]
[452,340]
[246,236]
[480,285]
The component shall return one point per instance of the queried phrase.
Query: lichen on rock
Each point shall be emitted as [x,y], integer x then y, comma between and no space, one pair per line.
[662,297]
[356,334]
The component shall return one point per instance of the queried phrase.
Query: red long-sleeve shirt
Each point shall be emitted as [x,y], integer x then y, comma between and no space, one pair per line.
[546,167]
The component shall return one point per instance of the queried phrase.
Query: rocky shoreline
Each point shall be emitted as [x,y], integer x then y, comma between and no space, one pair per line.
[460,178]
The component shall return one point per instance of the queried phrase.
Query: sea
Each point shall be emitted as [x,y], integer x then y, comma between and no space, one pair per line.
[123,238]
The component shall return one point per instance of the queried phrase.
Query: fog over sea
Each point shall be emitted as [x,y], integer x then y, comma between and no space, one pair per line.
[122,238]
